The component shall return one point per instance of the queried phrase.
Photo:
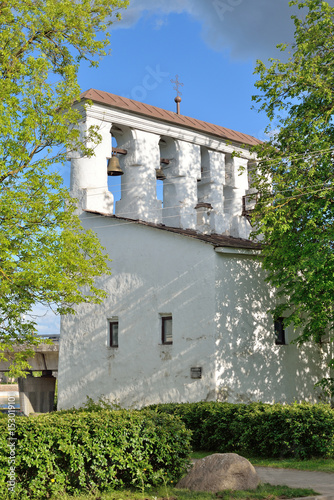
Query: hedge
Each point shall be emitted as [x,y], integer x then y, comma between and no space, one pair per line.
[258,429]
[80,451]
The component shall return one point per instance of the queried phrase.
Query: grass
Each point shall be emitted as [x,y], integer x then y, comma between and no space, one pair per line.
[314,464]
[263,492]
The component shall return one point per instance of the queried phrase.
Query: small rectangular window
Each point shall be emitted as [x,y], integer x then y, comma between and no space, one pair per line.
[113,334]
[166,329]
[279,331]
[196,372]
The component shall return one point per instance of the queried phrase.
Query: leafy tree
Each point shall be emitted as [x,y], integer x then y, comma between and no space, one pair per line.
[45,255]
[295,207]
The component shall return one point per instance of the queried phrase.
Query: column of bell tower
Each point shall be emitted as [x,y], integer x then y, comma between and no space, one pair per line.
[180,185]
[236,184]
[138,191]
[89,180]
[211,193]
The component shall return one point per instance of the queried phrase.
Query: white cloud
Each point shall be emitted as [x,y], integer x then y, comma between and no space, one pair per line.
[249,28]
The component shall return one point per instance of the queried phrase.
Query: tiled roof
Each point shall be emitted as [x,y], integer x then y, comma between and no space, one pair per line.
[217,240]
[140,108]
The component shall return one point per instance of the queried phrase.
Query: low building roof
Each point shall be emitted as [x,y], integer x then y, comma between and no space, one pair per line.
[217,240]
[163,115]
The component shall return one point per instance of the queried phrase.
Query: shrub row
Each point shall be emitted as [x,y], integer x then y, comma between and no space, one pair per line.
[257,429]
[80,451]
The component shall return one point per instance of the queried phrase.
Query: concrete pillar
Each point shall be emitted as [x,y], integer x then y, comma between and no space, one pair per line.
[250,193]
[37,394]
[211,189]
[139,183]
[89,179]
[203,211]
[180,186]
[236,185]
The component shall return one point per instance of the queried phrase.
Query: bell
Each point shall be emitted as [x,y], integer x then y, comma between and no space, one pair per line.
[160,174]
[113,166]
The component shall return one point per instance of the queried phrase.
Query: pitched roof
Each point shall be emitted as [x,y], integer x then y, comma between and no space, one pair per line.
[140,108]
[217,240]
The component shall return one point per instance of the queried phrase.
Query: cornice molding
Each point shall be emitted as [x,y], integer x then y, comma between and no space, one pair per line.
[120,117]
[238,251]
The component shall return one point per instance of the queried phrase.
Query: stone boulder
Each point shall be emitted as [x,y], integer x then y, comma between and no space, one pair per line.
[220,471]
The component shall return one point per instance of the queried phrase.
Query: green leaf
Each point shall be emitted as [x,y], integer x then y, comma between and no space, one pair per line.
[294,180]
[45,255]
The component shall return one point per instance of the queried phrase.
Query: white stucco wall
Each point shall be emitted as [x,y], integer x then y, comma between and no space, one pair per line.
[219,304]
[249,366]
[153,272]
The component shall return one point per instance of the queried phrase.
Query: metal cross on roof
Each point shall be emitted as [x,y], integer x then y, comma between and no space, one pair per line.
[177,85]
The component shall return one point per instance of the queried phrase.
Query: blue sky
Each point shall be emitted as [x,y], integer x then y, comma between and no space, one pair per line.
[211,44]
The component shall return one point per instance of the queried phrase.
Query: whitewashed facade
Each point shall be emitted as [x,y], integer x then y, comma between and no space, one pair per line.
[186,316]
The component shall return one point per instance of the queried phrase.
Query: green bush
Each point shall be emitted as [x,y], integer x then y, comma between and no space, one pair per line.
[263,430]
[79,451]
